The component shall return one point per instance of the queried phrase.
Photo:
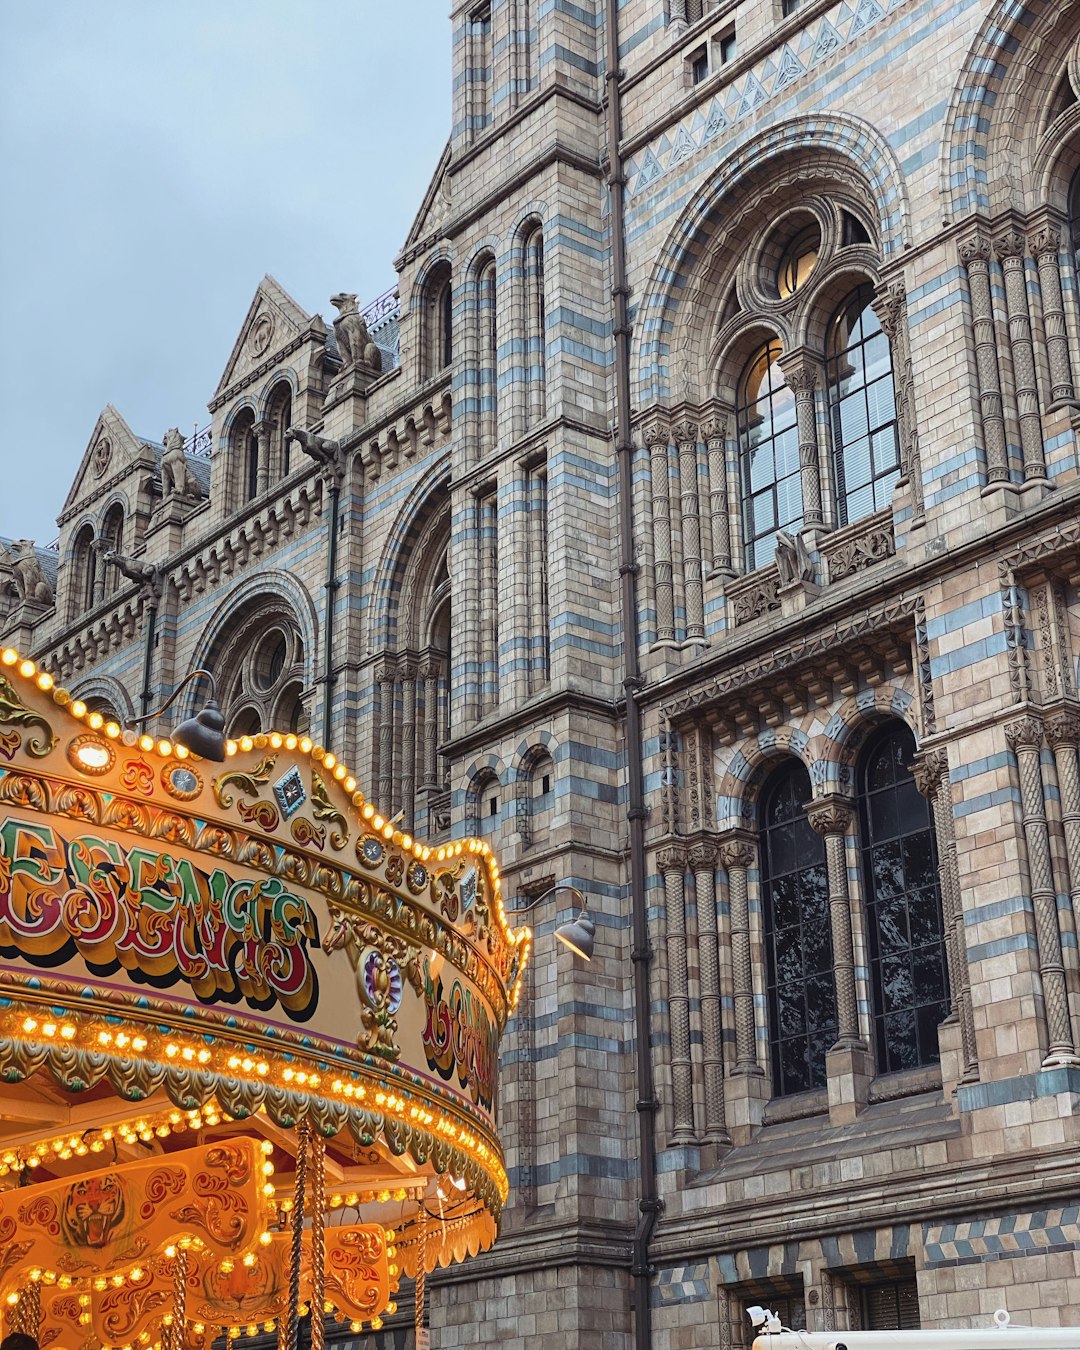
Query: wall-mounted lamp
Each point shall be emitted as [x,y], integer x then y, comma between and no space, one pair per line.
[579,934]
[203,734]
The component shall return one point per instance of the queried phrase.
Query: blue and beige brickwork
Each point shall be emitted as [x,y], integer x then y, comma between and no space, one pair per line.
[930,148]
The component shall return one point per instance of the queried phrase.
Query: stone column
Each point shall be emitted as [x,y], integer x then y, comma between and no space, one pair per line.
[1063,733]
[672,864]
[975,255]
[384,677]
[931,773]
[1025,741]
[678,21]
[831,816]
[890,306]
[429,673]
[801,379]
[703,857]
[1045,247]
[1010,251]
[714,434]
[408,743]
[686,435]
[656,441]
[737,854]
[262,432]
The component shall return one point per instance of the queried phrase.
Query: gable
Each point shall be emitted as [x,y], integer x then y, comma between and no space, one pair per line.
[273,320]
[435,208]
[113,447]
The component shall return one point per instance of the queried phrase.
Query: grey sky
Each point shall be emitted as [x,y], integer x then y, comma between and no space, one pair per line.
[157,159]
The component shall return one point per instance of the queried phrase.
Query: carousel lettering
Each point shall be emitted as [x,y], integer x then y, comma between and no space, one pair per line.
[458,1036]
[160,918]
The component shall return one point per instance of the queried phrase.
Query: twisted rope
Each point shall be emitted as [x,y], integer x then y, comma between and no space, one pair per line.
[292,1312]
[178,1337]
[421,1275]
[318,1239]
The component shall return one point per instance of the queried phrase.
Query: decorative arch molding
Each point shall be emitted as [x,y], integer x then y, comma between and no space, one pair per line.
[110,691]
[482,772]
[836,150]
[750,764]
[285,375]
[845,733]
[539,744]
[267,591]
[247,404]
[409,561]
[1008,62]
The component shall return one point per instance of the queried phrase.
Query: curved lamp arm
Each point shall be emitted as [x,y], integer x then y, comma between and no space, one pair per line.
[579,934]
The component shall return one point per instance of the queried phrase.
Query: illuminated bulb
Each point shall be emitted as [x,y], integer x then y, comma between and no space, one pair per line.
[275,741]
[146,742]
[44,680]
[164,747]
[266,1239]
[92,756]
[369,811]
[231,747]
[291,742]
[378,822]
[340,772]
[249,1261]
[227,1266]
[306,745]
[9,657]
[95,721]
[27,668]
[246,743]
[350,784]
[266,1146]
[181,751]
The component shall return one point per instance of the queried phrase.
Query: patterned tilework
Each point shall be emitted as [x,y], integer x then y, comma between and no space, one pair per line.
[1003,1238]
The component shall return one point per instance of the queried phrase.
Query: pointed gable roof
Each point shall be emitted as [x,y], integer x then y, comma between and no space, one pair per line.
[273,320]
[435,208]
[112,447]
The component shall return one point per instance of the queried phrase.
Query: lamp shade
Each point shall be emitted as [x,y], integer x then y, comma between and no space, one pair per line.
[579,935]
[203,734]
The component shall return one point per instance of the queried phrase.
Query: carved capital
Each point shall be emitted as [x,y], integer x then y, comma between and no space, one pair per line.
[702,856]
[800,377]
[713,428]
[889,304]
[830,815]
[1026,733]
[430,668]
[671,859]
[655,432]
[1064,730]
[386,673]
[737,850]
[975,249]
[929,770]
[1009,245]
[685,431]
[407,670]
[262,430]
[1044,241]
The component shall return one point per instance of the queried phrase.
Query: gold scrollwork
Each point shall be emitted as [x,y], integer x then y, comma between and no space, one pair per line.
[13,712]
[322,808]
[246,782]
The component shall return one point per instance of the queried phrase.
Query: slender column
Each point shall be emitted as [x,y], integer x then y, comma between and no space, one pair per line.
[672,864]
[656,439]
[408,741]
[802,381]
[1010,251]
[714,434]
[262,432]
[1045,247]
[535,355]
[832,817]
[737,854]
[702,858]
[429,673]
[975,255]
[1025,741]
[890,306]
[686,437]
[488,543]
[678,15]
[384,677]
[1063,733]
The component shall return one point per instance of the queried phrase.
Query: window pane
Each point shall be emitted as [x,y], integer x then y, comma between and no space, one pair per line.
[768,452]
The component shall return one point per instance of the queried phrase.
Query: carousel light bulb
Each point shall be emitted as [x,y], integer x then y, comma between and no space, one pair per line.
[226,1266]
[10,657]
[266,1239]
[146,742]
[12,1299]
[275,741]
[27,668]
[340,771]
[246,743]
[250,1259]
[268,1326]
[112,730]
[29,1024]
[95,721]
[356,1326]
[329,761]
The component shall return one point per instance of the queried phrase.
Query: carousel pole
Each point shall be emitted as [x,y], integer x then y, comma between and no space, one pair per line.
[292,1312]
[318,1238]
[419,1338]
[178,1337]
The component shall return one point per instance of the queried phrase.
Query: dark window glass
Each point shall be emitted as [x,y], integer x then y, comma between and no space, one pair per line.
[252,465]
[446,315]
[728,47]
[893,1306]
[798,941]
[790,6]
[768,455]
[862,408]
[699,66]
[908,974]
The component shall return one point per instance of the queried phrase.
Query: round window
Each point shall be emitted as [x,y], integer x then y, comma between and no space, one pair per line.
[270,657]
[799,260]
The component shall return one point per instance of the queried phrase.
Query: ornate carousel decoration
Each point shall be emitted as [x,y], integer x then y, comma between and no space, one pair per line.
[248,1037]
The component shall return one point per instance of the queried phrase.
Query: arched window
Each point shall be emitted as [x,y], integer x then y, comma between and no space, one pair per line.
[438,320]
[487,353]
[244,447]
[112,537]
[903,903]
[541,798]
[862,407]
[261,665]
[279,415]
[1074,217]
[798,938]
[535,356]
[486,805]
[768,455]
[81,587]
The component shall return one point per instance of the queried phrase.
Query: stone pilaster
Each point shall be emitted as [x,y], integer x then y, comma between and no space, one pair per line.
[672,864]
[1010,252]
[802,380]
[655,435]
[1045,246]
[975,255]
[714,434]
[890,306]
[738,853]
[703,857]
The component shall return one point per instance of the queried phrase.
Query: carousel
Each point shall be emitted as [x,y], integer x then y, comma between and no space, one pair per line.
[248,1036]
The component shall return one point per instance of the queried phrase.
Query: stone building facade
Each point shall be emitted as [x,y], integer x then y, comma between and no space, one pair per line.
[845,232]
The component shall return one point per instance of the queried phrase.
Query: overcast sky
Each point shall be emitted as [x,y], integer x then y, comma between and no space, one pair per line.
[157,158]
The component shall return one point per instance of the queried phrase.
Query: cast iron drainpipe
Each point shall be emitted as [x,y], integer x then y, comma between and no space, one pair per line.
[148,656]
[332,583]
[649,1203]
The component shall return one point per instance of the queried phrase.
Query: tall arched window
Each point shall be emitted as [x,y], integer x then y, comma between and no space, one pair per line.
[438,320]
[279,415]
[83,577]
[1074,218]
[533,254]
[487,354]
[112,537]
[244,447]
[798,939]
[908,974]
[768,455]
[862,406]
